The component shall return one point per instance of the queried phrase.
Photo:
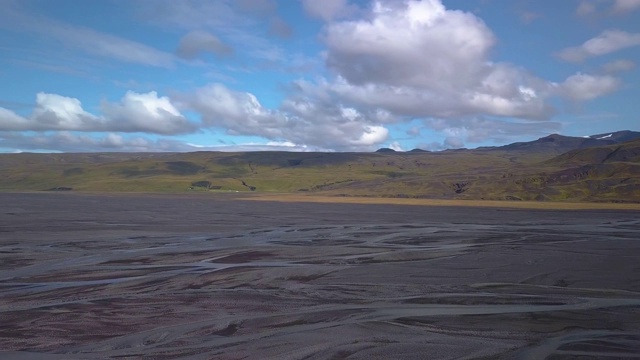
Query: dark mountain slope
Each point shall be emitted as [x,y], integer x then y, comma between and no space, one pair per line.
[559,144]
[628,152]
[618,136]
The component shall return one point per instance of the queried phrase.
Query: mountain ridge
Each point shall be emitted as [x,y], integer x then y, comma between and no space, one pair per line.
[608,171]
[557,143]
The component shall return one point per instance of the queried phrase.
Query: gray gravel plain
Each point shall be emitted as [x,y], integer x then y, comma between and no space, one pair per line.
[215,277]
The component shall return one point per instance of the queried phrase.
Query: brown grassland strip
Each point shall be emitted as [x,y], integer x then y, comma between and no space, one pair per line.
[535,205]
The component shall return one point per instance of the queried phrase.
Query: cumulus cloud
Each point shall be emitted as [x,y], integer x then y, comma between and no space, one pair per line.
[239,112]
[414,43]
[416,58]
[583,87]
[302,122]
[395,146]
[404,61]
[134,113]
[52,112]
[400,61]
[299,121]
[146,113]
[196,42]
[415,102]
[10,121]
[607,42]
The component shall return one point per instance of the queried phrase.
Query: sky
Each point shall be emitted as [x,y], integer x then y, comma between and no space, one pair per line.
[311,75]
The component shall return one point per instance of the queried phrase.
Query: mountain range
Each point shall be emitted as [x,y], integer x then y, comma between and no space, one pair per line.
[597,168]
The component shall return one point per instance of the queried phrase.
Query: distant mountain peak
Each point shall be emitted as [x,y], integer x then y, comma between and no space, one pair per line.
[556,143]
[554,137]
[617,136]
[385,150]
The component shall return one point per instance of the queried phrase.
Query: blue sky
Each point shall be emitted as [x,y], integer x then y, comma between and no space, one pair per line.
[311,75]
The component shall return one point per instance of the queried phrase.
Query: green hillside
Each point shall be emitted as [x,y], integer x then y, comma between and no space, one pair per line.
[602,173]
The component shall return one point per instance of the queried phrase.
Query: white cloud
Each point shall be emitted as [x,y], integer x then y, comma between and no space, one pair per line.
[408,60]
[191,14]
[491,96]
[196,42]
[111,46]
[625,6]
[480,129]
[395,146]
[53,111]
[239,112]
[299,121]
[416,58]
[270,146]
[414,131]
[615,7]
[328,10]
[10,121]
[237,22]
[583,87]
[618,66]
[145,113]
[607,42]
[134,113]
[371,135]
[65,141]
[453,142]
[585,8]
[414,43]
[85,39]
[399,61]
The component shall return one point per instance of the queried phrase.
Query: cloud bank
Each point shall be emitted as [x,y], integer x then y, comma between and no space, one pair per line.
[387,64]
[135,112]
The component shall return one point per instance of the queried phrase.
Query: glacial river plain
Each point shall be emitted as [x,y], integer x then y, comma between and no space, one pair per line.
[98,276]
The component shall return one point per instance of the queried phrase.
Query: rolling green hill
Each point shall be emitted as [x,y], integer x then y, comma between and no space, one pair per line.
[520,172]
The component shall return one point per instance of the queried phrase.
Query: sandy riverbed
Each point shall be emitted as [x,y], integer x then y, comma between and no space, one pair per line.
[215,277]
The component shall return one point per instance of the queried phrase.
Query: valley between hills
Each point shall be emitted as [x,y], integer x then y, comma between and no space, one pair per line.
[599,168]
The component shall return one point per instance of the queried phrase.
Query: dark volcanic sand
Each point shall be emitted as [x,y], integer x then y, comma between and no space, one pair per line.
[213,277]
